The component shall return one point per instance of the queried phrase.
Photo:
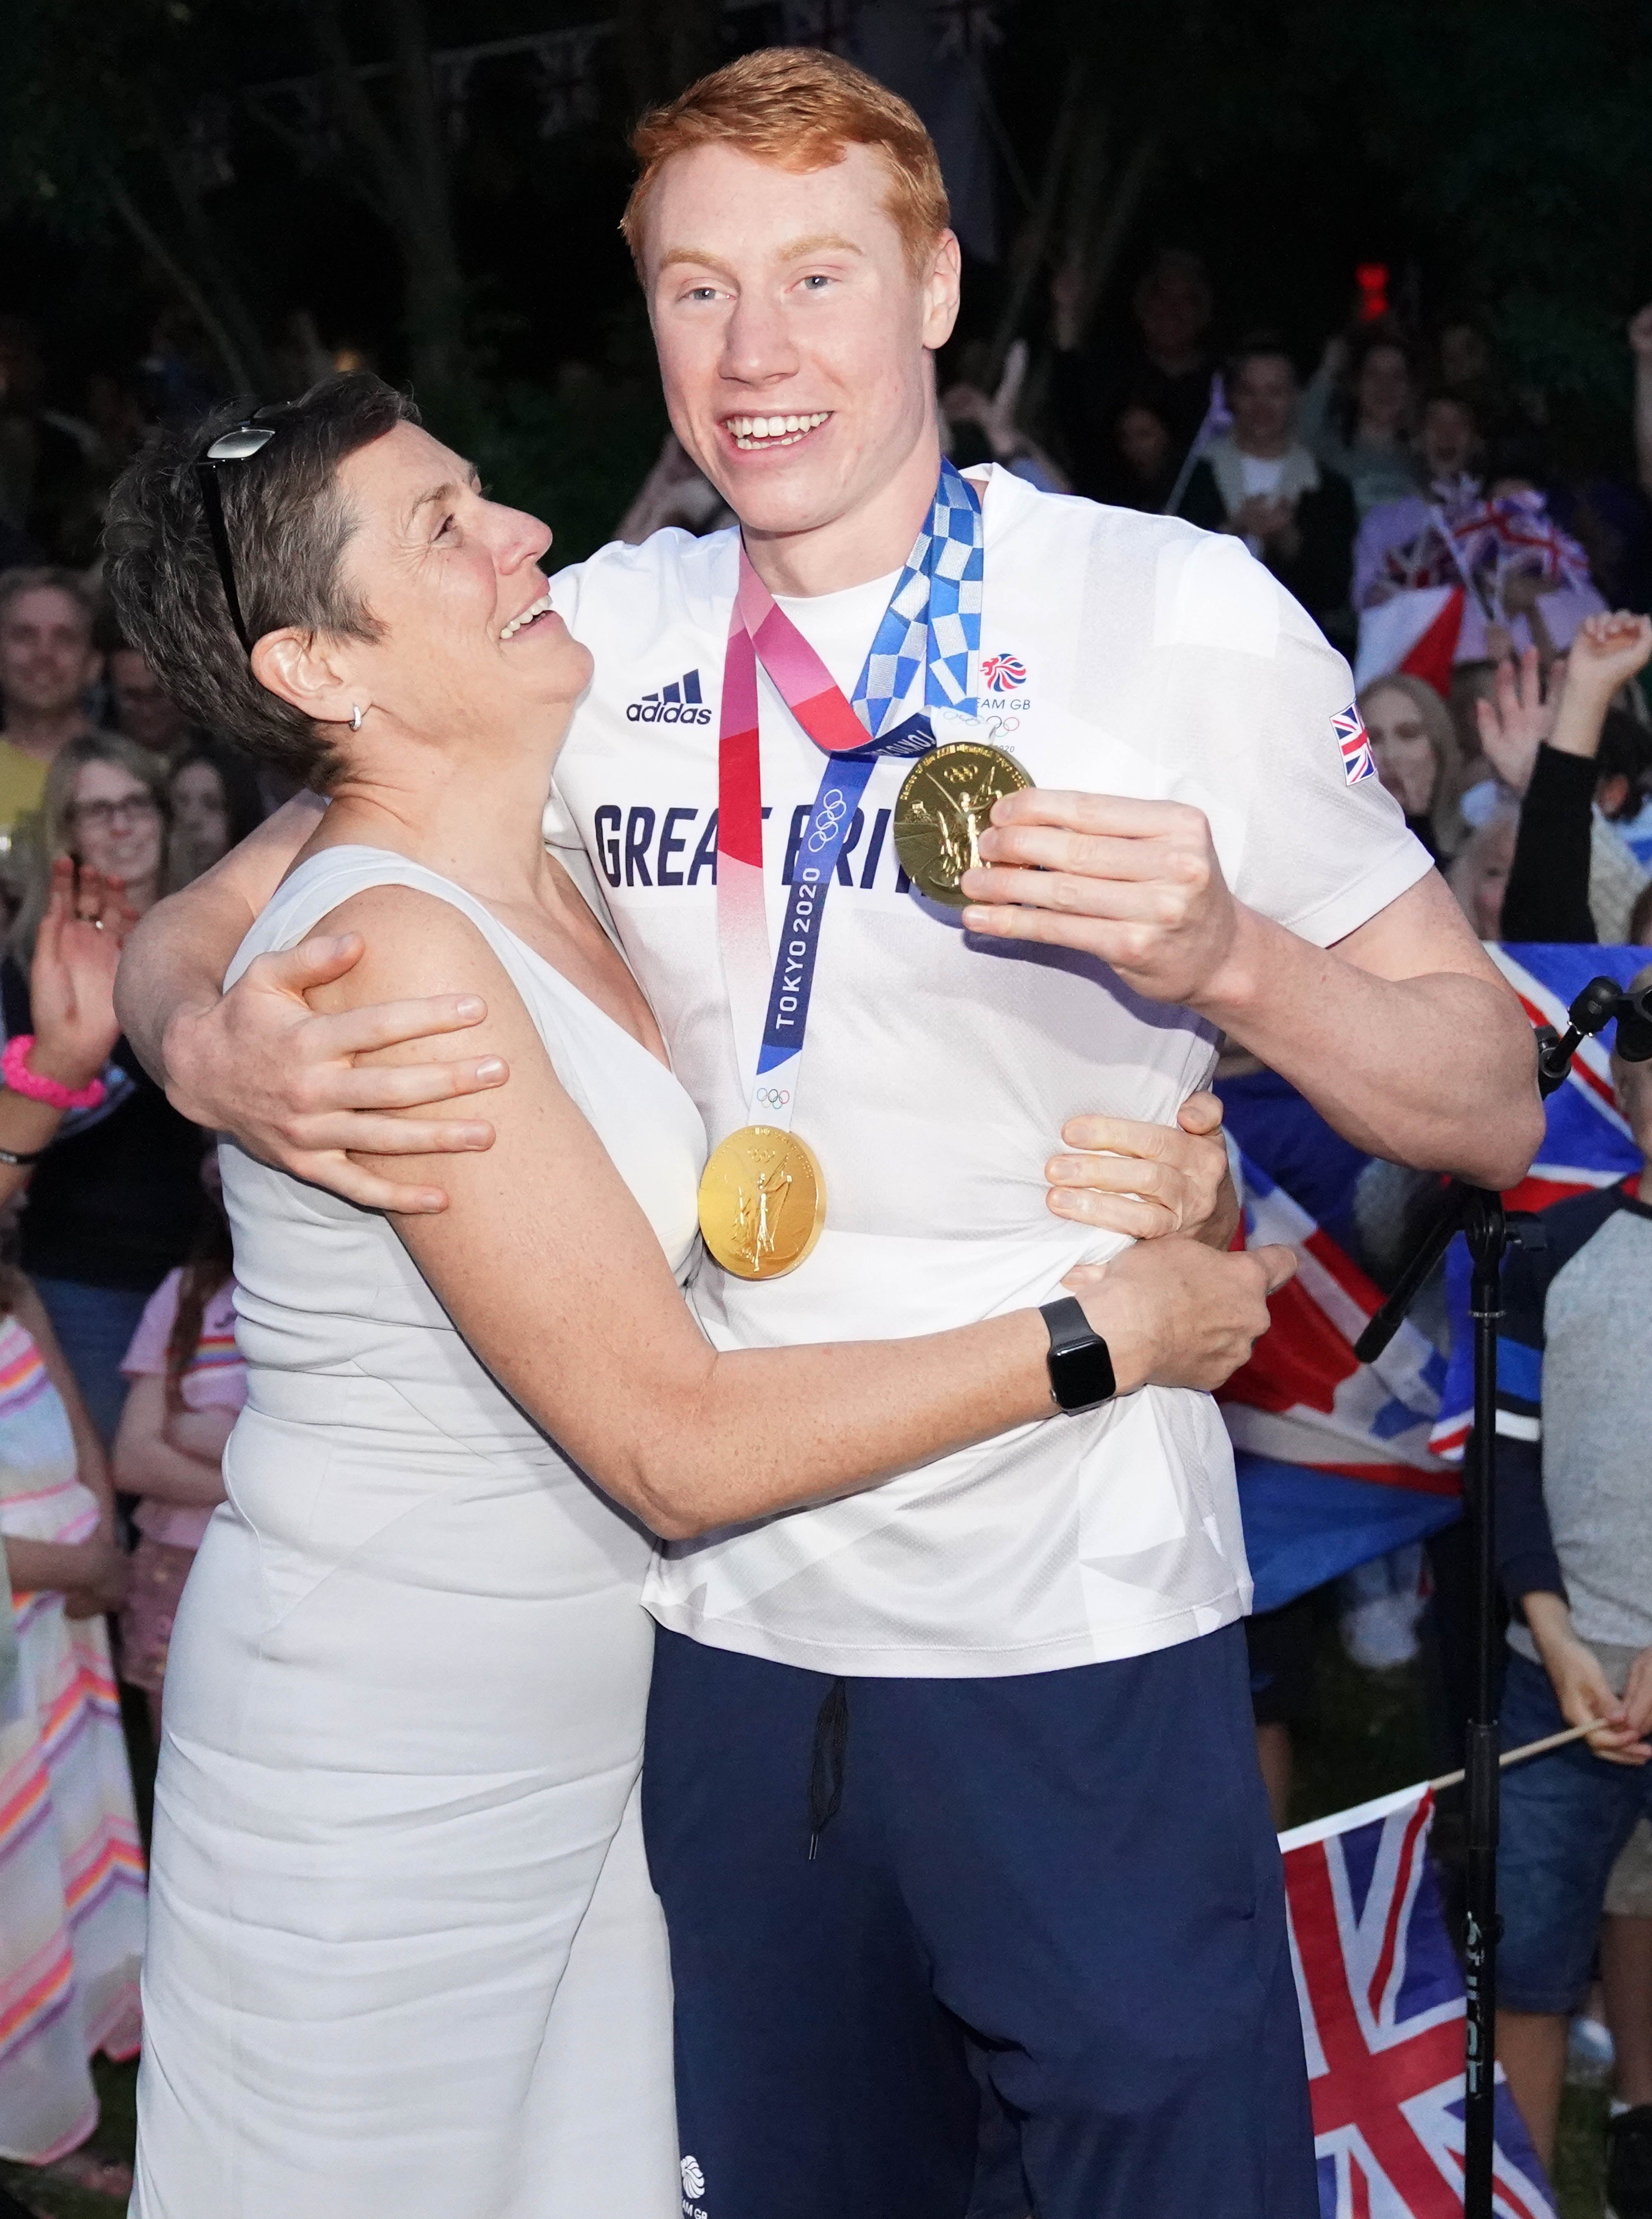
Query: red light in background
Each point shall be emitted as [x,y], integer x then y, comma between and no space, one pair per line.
[1372,279]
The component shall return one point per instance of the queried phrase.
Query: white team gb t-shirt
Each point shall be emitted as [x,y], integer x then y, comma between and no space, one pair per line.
[1121,654]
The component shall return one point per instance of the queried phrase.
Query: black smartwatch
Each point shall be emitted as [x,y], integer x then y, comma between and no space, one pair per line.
[1081,1369]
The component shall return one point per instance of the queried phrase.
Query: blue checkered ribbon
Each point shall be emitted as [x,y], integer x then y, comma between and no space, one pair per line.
[934,617]
[933,620]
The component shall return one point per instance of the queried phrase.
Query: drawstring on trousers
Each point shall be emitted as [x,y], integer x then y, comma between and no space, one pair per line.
[826,1761]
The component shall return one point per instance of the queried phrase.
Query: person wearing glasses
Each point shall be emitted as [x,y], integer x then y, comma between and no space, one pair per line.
[404,1953]
[114,1199]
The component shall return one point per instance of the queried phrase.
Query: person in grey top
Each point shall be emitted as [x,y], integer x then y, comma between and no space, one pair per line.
[1575,1520]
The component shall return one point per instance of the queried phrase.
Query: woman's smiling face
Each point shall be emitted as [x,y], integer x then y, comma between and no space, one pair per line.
[467,639]
[117,823]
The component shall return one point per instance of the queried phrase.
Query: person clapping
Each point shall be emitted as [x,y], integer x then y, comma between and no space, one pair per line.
[1578,763]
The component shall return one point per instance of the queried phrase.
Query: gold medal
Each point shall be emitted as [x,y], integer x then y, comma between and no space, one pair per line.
[944,806]
[762,1201]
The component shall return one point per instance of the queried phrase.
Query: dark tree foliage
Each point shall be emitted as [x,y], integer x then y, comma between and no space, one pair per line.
[228,161]
[101,114]
[1511,139]
[1525,131]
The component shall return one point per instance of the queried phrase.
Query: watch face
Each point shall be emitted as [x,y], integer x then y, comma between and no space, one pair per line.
[1082,1377]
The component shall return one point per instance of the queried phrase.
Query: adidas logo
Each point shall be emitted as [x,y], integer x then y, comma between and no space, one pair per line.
[680,703]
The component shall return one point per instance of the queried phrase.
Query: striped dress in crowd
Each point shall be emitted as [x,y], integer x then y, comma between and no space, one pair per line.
[71,1877]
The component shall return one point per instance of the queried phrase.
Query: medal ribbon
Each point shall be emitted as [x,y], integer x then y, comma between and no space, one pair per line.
[934,619]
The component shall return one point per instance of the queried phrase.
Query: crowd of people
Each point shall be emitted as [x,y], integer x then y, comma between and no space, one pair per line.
[1525,770]
[119,1355]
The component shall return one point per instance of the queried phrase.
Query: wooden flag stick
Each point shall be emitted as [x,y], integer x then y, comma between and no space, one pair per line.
[1519,1756]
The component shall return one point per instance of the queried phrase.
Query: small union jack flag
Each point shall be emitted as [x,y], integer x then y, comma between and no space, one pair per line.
[1382,2022]
[1002,672]
[1357,760]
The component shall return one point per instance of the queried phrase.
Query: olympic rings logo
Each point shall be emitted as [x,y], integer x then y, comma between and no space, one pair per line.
[828,815]
[774,1097]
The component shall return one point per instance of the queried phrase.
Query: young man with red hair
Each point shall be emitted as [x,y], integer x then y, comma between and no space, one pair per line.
[951,1789]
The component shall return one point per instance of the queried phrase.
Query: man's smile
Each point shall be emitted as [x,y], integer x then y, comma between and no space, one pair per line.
[756,434]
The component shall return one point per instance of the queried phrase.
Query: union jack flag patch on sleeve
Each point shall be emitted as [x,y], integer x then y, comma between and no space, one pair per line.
[1358,762]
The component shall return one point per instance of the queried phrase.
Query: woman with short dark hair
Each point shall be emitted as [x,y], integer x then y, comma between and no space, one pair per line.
[404,1956]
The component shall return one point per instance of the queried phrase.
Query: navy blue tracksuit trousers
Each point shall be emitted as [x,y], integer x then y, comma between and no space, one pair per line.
[1037,1961]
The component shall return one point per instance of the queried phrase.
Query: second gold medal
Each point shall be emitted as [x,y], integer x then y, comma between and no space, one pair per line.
[944,806]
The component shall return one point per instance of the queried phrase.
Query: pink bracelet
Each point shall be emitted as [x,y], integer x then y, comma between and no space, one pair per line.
[14,1069]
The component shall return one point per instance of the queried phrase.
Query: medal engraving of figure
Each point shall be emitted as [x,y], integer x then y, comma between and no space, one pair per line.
[944,806]
[762,1203]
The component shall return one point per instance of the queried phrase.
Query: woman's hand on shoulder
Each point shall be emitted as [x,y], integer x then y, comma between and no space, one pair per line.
[1127,1176]
[1175,1313]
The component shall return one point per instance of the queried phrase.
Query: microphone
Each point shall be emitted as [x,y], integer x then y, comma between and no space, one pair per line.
[1634,1014]
[1601,1002]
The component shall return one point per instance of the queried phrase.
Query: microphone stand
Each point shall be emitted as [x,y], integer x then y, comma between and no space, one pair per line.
[1479,1214]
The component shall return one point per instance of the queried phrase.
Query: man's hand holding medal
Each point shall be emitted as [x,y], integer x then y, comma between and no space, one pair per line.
[1136,883]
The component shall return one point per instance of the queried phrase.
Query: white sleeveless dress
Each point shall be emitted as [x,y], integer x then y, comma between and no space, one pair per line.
[404,1959]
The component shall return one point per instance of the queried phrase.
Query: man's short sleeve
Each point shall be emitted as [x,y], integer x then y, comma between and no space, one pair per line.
[1309,836]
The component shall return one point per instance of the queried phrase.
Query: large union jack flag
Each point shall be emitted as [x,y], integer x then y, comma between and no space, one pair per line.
[1338,1463]
[1332,1456]
[1382,2022]
[1588,1142]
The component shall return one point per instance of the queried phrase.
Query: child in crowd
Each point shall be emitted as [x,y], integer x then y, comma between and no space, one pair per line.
[72,1879]
[1574,1535]
[188,1386]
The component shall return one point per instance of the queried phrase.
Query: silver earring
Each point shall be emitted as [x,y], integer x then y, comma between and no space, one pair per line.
[356,714]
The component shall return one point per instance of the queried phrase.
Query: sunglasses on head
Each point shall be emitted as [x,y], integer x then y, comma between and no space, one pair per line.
[238,444]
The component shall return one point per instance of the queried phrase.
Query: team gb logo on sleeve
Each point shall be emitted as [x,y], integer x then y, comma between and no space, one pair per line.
[1358,762]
